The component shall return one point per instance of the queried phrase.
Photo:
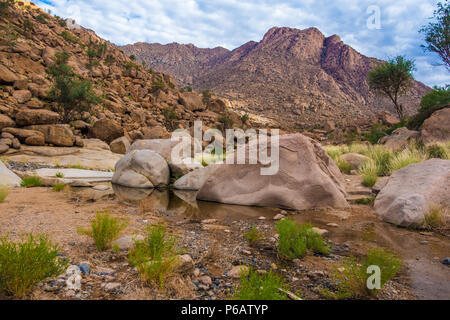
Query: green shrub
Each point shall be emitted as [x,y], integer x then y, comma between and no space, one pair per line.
[351,276]
[438,151]
[4,190]
[71,94]
[31,182]
[253,236]
[245,117]
[260,287]
[42,18]
[24,264]
[58,187]
[366,201]
[59,175]
[157,85]
[61,21]
[296,240]
[206,96]
[344,166]
[369,180]
[439,96]
[227,121]
[155,257]
[104,230]
[377,132]
[69,37]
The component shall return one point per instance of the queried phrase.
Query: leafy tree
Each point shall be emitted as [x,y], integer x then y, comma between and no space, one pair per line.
[437,34]
[393,79]
[71,94]
[439,96]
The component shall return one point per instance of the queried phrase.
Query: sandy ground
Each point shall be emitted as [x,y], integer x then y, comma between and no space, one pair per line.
[215,248]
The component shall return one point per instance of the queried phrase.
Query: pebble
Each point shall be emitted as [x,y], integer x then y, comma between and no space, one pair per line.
[262,218]
[196,272]
[85,268]
[111,286]
[206,280]
[446,261]
[236,271]
[278,217]
[334,225]
[423,242]
[209,221]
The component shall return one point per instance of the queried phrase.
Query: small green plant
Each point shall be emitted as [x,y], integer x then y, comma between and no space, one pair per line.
[133,57]
[366,201]
[31,182]
[4,190]
[58,187]
[42,18]
[253,236]
[104,230]
[69,37]
[245,117]
[24,264]
[206,96]
[344,166]
[351,277]
[260,287]
[296,240]
[227,121]
[369,180]
[59,175]
[157,85]
[61,21]
[438,151]
[155,257]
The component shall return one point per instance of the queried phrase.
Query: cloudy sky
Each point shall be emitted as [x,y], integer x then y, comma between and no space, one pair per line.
[231,23]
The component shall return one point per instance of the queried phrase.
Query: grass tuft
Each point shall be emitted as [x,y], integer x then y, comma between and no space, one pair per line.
[4,190]
[344,166]
[260,287]
[406,157]
[155,257]
[253,236]
[58,187]
[435,218]
[24,264]
[104,230]
[351,277]
[31,182]
[296,240]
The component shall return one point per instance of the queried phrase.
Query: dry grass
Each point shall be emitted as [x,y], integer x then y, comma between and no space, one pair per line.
[4,190]
[437,218]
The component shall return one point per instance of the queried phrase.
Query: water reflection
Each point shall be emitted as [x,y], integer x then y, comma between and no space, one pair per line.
[182,205]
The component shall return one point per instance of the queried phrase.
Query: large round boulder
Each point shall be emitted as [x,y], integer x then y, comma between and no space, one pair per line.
[411,192]
[307,178]
[436,128]
[354,159]
[6,121]
[399,139]
[106,130]
[142,169]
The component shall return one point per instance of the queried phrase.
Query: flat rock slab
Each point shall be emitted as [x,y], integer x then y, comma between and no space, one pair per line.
[8,178]
[76,174]
[98,159]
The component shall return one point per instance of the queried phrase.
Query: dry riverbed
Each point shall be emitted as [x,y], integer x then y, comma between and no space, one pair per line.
[215,245]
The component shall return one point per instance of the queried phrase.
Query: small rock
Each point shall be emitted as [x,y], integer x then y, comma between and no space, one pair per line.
[334,225]
[196,272]
[186,264]
[111,286]
[127,243]
[85,268]
[446,261]
[320,231]
[206,280]
[209,221]
[73,270]
[246,252]
[273,266]
[278,217]
[424,242]
[236,271]
[74,282]
[262,218]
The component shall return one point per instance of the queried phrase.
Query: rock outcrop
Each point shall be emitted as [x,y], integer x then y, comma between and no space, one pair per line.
[411,192]
[307,178]
[399,139]
[436,128]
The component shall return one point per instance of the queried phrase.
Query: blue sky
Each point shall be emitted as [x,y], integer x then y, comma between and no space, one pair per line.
[231,23]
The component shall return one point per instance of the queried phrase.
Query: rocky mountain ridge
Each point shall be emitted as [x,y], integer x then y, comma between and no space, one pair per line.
[299,77]
[135,102]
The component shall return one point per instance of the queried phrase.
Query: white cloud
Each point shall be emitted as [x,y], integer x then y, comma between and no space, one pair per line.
[230,23]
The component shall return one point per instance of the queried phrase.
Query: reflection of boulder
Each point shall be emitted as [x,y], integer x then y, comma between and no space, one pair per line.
[189,197]
[158,200]
[307,178]
[130,194]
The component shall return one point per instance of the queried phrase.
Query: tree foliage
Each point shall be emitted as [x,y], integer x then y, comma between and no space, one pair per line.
[437,33]
[393,79]
[71,94]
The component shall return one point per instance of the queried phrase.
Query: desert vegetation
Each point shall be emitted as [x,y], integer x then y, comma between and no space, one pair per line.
[255,286]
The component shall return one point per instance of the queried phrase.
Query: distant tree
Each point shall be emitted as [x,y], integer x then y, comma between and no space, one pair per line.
[133,57]
[439,96]
[437,34]
[71,94]
[393,79]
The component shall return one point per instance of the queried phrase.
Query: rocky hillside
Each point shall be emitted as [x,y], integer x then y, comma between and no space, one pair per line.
[298,77]
[134,102]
